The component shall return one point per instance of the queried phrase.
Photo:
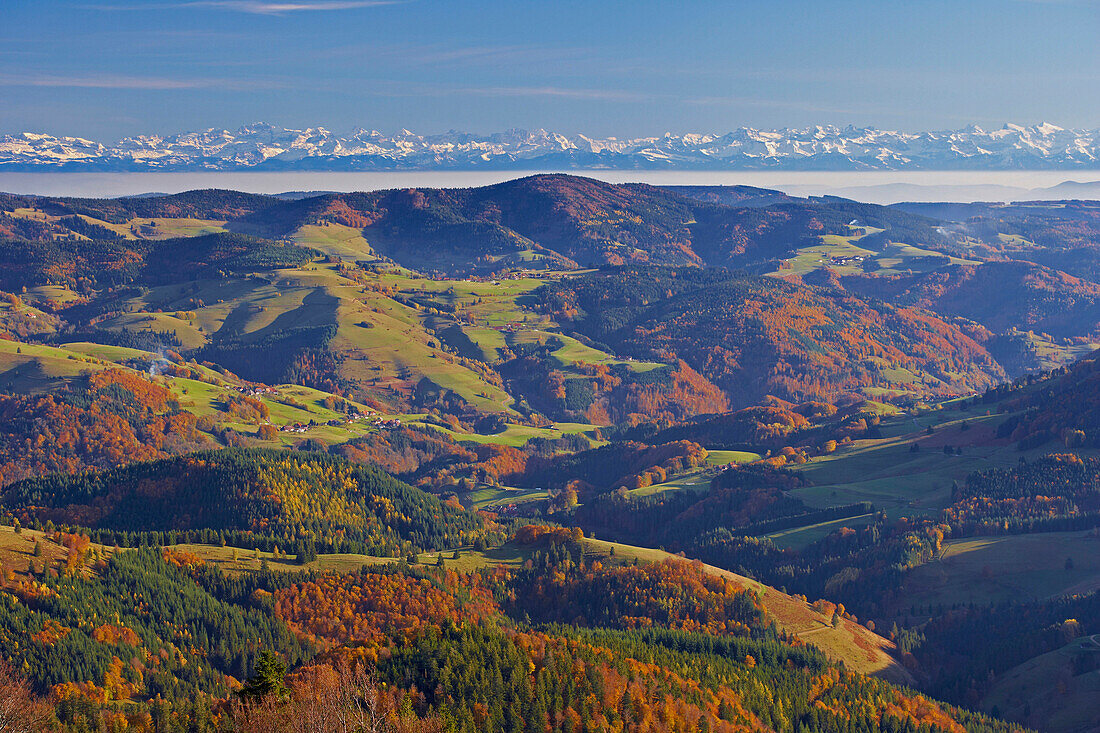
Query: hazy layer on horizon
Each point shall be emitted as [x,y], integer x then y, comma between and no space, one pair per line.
[881,187]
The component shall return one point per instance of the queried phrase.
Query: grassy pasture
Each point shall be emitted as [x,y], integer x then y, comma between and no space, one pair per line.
[1046,687]
[832,246]
[166,228]
[984,570]
[481,303]
[800,537]
[334,239]
[885,472]
[58,294]
[187,332]
[833,249]
[573,351]
[722,457]
[35,368]
[516,435]
[498,496]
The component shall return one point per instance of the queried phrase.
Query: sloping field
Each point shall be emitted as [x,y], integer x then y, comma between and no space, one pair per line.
[984,570]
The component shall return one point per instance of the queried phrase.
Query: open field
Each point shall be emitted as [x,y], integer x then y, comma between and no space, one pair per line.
[898,258]
[698,481]
[491,304]
[139,228]
[722,457]
[238,560]
[517,435]
[334,239]
[1053,353]
[165,228]
[17,550]
[573,351]
[835,252]
[497,496]
[34,368]
[845,256]
[1045,694]
[798,537]
[885,471]
[984,570]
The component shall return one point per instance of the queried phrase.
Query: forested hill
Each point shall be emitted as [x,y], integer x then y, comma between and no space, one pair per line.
[114,262]
[562,220]
[757,336]
[574,219]
[999,295]
[201,204]
[1064,406]
[297,497]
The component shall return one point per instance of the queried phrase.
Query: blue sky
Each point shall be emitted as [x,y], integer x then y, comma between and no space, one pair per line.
[108,68]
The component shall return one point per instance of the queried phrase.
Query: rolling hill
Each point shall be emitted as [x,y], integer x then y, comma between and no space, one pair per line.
[757,336]
[1001,296]
[296,497]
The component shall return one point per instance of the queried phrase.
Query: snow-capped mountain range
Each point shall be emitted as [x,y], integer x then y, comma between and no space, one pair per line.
[269,147]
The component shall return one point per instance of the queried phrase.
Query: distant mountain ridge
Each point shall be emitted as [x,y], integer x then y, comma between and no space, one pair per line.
[269,147]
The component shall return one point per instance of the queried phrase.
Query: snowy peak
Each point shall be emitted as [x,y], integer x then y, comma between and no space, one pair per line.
[821,147]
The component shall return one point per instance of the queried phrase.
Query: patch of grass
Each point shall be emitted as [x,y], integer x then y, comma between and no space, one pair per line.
[187,332]
[104,351]
[489,340]
[517,435]
[58,294]
[800,537]
[28,368]
[497,496]
[698,481]
[335,239]
[573,351]
[1043,693]
[832,248]
[165,228]
[885,472]
[986,570]
[722,457]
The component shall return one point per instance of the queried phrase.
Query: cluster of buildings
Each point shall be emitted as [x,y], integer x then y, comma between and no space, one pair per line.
[385,424]
[375,422]
[846,260]
[256,390]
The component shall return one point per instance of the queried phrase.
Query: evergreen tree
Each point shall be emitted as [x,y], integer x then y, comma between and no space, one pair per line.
[267,679]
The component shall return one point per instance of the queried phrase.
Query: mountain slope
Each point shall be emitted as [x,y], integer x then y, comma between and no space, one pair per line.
[266,493]
[999,295]
[560,221]
[758,336]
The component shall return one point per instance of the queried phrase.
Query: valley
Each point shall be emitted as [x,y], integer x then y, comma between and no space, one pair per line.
[624,425]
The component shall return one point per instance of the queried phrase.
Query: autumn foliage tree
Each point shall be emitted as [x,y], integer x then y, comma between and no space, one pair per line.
[20,710]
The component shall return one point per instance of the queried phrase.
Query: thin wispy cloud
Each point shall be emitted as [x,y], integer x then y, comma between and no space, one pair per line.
[610,95]
[109,81]
[387,88]
[440,55]
[257,7]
